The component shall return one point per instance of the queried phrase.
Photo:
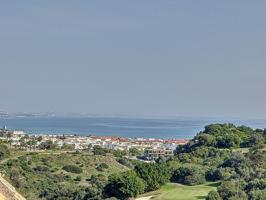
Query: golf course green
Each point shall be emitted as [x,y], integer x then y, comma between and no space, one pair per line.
[173,191]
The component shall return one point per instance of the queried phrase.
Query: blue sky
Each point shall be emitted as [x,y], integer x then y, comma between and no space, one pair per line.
[188,58]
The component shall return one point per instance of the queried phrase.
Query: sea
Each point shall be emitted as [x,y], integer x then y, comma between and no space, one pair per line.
[131,127]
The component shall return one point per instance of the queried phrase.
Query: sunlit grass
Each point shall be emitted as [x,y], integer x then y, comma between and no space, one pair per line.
[172,191]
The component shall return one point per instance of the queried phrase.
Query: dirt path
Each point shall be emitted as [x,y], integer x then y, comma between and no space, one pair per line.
[144,198]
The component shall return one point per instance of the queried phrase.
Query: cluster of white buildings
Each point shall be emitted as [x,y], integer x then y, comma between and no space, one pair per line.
[78,142]
[111,142]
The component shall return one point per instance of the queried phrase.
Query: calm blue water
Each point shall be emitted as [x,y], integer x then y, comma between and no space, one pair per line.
[127,127]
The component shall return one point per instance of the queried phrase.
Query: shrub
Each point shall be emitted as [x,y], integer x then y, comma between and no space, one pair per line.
[12,162]
[49,145]
[124,185]
[78,178]
[102,166]
[227,189]
[125,162]
[73,169]
[154,175]
[67,177]
[41,168]
[213,195]
[4,151]
[97,150]
[189,174]
[15,177]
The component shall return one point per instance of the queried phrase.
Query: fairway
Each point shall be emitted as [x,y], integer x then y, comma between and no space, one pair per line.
[173,191]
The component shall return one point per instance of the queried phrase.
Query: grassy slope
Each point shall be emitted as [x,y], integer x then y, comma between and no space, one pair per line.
[173,191]
[87,162]
[55,161]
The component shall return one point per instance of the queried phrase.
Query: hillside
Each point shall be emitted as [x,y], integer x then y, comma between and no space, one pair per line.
[233,156]
[37,175]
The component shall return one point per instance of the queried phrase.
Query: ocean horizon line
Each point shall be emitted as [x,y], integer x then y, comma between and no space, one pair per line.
[178,128]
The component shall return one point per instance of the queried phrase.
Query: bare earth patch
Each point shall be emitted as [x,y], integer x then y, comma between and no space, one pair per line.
[144,198]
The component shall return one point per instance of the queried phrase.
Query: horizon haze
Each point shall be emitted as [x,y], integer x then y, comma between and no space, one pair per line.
[144,58]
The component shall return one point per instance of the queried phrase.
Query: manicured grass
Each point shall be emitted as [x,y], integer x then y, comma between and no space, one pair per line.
[173,191]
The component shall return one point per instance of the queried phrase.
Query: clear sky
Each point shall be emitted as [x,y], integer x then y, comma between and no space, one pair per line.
[143,57]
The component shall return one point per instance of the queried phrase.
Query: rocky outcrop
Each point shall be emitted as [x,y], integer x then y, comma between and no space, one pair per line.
[8,192]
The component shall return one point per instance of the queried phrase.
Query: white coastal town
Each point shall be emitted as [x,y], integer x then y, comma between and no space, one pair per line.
[150,148]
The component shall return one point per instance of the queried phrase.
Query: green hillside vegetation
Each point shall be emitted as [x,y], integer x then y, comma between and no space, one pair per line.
[43,175]
[234,156]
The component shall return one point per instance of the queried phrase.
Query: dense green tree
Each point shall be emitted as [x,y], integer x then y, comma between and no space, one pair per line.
[213,195]
[254,139]
[124,185]
[228,141]
[257,194]
[4,151]
[224,173]
[228,189]
[189,174]
[134,152]
[95,190]
[225,136]
[206,140]
[48,145]
[154,175]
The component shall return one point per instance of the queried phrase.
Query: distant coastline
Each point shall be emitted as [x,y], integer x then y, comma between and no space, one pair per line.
[164,128]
